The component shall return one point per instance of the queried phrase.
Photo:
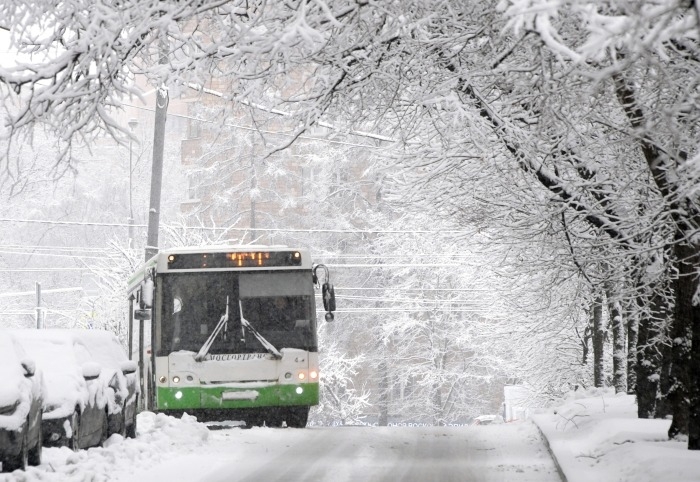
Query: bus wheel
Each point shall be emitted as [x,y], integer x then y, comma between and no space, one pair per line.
[274,421]
[297,417]
[255,420]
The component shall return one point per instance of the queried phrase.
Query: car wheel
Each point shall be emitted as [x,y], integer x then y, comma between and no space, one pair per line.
[297,417]
[74,440]
[104,435]
[131,429]
[122,423]
[35,452]
[19,461]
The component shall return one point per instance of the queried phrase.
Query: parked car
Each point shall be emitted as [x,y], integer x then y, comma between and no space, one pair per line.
[90,392]
[123,378]
[487,420]
[21,398]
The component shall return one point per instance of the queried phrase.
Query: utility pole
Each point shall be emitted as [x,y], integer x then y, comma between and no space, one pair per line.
[38,306]
[157,167]
[132,126]
[157,171]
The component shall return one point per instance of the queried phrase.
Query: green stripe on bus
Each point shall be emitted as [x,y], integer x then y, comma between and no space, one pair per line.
[211,397]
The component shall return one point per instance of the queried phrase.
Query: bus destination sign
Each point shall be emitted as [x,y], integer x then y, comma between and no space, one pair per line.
[252,259]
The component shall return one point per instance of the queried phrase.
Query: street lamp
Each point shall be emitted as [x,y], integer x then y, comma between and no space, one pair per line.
[133,123]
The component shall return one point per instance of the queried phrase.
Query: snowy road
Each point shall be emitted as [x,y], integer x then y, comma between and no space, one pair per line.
[388,454]
[183,450]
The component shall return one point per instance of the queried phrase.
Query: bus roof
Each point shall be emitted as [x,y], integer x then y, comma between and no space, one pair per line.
[159,261]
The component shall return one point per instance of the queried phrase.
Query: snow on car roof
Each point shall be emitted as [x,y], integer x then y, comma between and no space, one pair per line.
[104,346]
[56,357]
[10,371]
[15,387]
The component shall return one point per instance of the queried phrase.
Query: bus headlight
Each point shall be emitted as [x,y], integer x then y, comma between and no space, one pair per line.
[300,390]
[178,395]
[301,375]
[313,374]
[162,379]
[176,379]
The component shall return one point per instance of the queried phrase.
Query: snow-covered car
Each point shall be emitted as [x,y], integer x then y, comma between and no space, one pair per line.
[106,350]
[21,400]
[487,420]
[84,394]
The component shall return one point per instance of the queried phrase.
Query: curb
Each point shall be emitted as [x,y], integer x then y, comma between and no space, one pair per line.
[562,475]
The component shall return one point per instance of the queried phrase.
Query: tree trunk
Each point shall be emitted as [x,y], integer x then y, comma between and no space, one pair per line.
[632,340]
[383,403]
[598,343]
[685,388]
[681,332]
[694,370]
[619,347]
[651,331]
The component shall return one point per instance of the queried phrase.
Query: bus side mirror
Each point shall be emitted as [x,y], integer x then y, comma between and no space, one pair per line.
[328,295]
[327,292]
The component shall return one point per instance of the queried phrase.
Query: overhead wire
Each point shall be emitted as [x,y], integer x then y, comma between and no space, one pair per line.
[214,228]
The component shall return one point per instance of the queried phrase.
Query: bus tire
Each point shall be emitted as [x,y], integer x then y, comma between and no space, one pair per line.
[274,421]
[297,417]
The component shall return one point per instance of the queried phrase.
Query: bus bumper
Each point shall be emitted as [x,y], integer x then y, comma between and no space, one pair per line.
[287,395]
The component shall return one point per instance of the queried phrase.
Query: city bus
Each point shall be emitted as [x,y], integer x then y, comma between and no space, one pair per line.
[229,333]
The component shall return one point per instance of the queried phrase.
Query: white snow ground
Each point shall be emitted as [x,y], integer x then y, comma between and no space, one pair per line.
[595,436]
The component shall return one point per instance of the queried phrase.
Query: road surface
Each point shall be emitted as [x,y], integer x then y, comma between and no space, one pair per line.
[173,450]
[490,453]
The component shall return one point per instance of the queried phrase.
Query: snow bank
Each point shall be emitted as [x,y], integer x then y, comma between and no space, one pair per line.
[595,435]
[160,438]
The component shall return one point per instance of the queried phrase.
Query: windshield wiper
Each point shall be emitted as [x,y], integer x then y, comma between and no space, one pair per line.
[266,344]
[217,329]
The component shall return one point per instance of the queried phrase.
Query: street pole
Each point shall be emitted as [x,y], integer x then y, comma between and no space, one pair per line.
[38,306]
[157,171]
[132,126]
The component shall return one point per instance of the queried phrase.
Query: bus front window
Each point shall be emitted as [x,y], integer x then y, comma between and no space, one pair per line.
[280,306]
[193,303]
[285,321]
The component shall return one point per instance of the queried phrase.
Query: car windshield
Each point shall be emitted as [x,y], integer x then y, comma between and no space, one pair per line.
[278,306]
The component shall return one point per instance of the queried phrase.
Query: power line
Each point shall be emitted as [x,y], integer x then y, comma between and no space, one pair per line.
[54,248]
[212,228]
[408,310]
[395,265]
[423,301]
[394,256]
[40,270]
[256,129]
[25,253]
[43,291]
[398,288]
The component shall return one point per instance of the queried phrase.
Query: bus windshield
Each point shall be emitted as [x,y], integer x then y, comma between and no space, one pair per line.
[279,305]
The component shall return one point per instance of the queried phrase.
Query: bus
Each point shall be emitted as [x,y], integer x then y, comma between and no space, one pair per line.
[229,333]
